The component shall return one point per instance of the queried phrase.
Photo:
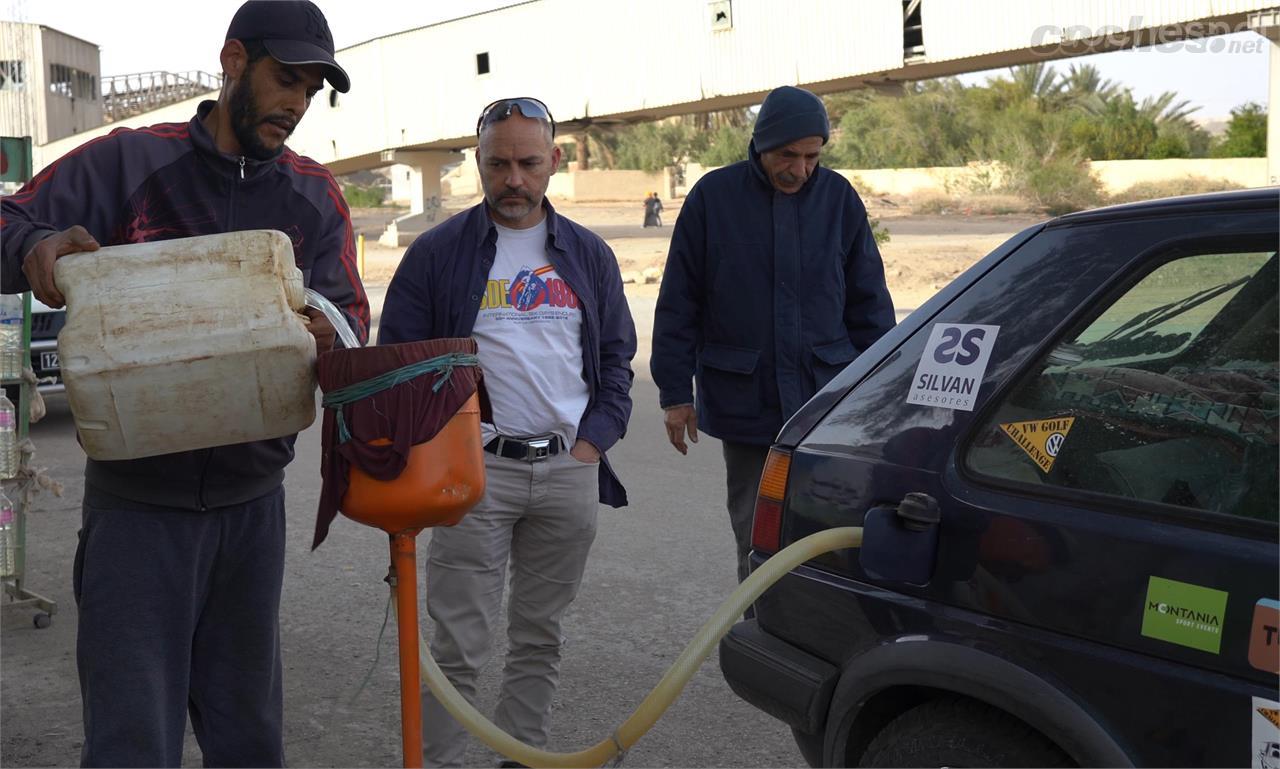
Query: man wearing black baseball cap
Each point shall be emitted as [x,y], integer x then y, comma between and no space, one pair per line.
[293,32]
[181,556]
[277,56]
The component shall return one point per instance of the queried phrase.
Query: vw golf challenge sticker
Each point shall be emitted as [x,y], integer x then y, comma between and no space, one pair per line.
[952,366]
[1041,439]
[1184,614]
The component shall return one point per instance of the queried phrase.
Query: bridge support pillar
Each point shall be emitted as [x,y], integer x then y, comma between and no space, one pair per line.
[1267,24]
[425,207]
[1273,113]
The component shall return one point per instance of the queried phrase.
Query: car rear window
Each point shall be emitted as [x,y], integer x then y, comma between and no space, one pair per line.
[1168,395]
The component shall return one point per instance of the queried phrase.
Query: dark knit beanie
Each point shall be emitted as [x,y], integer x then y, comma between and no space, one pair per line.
[789,114]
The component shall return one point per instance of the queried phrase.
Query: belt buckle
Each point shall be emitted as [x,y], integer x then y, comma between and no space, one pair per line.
[537,449]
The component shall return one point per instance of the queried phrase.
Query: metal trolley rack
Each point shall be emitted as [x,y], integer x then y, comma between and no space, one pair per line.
[13,576]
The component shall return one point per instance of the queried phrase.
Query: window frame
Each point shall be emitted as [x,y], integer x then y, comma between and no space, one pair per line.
[10,67]
[1099,301]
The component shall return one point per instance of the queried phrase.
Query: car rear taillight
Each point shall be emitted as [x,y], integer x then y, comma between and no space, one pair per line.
[766,531]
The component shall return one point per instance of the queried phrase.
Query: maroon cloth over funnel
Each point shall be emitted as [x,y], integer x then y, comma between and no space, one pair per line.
[407,414]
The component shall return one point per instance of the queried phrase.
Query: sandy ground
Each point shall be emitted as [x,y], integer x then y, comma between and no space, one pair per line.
[924,253]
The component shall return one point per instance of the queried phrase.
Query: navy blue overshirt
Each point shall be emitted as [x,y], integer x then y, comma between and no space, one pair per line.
[439,285]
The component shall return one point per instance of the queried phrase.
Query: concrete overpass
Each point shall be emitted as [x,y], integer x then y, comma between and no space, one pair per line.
[416,94]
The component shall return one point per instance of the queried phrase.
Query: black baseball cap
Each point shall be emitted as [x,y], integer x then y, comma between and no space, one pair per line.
[293,32]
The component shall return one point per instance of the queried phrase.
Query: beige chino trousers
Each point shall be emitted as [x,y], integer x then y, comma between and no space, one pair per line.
[541,518]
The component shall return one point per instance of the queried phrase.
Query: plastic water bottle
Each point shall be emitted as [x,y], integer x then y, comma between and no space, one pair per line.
[8,438]
[8,537]
[10,336]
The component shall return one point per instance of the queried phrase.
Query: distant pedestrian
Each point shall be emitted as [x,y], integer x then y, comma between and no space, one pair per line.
[652,210]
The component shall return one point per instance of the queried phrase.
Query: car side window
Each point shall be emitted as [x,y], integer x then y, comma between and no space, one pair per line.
[1168,395]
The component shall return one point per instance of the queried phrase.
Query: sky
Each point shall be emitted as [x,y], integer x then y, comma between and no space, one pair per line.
[1215,80]
[1217,75]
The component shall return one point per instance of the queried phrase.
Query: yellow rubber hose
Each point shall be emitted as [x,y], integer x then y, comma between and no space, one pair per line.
[672,682]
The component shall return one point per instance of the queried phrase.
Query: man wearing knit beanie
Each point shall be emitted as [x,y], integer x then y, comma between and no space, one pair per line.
[773,285]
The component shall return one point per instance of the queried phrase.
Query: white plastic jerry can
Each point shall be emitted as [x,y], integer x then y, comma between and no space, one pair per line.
[185,344]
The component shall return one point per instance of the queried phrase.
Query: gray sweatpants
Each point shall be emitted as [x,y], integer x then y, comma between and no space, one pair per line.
[540,516]
[179,613]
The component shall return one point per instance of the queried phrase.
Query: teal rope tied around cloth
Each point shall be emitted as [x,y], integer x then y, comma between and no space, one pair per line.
[442,365]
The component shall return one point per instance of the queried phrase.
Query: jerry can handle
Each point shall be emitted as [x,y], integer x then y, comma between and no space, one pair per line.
[335,316]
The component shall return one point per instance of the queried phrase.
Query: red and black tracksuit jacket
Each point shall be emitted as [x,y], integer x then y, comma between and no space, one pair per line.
[170,181]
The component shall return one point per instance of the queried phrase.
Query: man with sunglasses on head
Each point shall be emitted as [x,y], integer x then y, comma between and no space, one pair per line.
[543,298]
[178,572]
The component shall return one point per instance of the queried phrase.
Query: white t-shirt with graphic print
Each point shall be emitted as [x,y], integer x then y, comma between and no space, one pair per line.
[529,334]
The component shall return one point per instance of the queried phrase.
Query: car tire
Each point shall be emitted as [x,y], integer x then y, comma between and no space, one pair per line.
[810,746]
[955,731]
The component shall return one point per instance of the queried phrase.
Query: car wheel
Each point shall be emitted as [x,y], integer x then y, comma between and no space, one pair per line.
[810,746]
[955,731]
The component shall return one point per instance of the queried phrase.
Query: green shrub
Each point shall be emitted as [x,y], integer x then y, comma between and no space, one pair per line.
[1168,146]
[1058,185]
[725,147]
[980,205]
[994,205]
[363,197]
[878,231]
[1246,133]
[1171,188]
[932,203]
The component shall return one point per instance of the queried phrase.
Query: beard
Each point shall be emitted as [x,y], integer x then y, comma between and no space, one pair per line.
[245,120]
[511,206]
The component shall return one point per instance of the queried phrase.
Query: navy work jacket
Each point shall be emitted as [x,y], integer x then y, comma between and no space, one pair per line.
[439,285]
[765,298]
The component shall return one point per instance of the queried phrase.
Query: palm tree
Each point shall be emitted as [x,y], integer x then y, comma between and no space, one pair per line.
[1163,110]
[593,141]
[1038,82]
[1084,82]
[711,122]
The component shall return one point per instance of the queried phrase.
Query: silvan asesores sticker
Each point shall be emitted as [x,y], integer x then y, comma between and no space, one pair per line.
[1184,614]
[952,366]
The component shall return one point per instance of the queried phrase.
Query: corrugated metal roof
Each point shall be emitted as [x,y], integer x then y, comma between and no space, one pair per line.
[609,58]
[588,59]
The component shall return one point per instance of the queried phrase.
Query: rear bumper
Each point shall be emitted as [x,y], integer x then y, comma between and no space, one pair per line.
[776,677]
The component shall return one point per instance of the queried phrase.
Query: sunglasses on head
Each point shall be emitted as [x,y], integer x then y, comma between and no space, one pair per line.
[502,108]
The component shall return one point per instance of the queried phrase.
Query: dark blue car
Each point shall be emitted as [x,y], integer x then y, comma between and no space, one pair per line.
[1066,467]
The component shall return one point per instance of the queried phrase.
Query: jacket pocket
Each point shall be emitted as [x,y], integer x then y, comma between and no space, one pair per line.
[831,359]
[736,360]
[729,386]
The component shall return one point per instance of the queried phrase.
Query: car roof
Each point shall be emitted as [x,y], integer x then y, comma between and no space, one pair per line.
[1259,197]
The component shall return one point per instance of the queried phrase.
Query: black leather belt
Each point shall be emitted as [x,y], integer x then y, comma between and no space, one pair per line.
[528,449]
